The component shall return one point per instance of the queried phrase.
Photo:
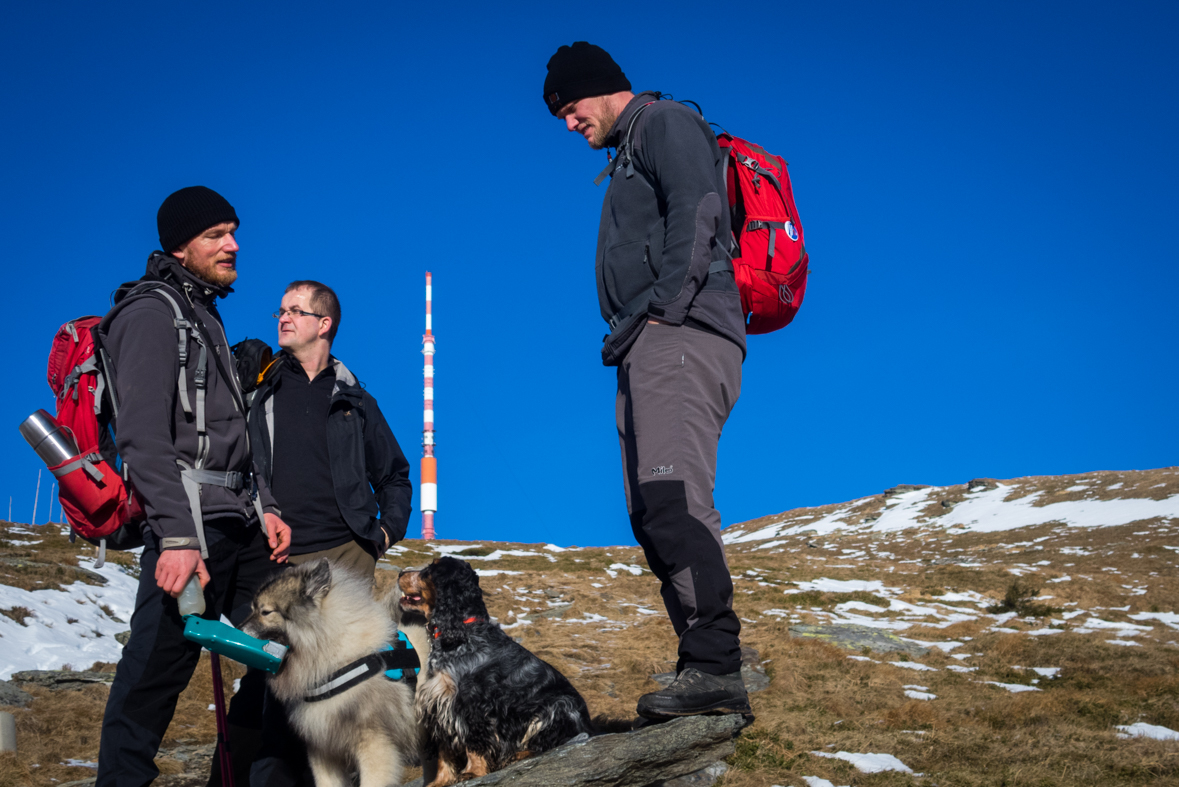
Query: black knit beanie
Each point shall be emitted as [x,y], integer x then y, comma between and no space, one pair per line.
[189,212]
[581,71]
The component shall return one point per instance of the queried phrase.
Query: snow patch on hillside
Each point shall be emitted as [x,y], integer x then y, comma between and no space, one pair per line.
[984,511]
[68,626]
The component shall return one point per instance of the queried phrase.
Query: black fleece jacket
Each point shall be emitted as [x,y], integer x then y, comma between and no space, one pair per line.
[152,431]
[662,226]
[369,472]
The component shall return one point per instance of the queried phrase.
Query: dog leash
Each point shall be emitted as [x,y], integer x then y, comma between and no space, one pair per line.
[398,661]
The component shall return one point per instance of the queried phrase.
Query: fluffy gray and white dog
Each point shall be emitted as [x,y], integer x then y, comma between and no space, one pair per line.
[330,620]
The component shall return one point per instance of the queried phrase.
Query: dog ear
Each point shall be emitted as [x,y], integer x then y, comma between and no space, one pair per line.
[319,580]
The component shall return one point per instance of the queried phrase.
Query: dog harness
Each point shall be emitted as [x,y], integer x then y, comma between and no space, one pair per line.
[398,660]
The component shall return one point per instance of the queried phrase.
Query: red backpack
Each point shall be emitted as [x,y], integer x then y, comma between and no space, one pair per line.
[770,262]
[95,493]
[95,497]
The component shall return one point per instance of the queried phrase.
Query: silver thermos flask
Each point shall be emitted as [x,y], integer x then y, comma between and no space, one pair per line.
[52,442]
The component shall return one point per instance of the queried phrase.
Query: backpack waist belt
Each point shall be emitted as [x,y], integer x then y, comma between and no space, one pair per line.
[192,478]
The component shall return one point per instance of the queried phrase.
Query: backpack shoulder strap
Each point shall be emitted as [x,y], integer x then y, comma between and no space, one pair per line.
[624,157]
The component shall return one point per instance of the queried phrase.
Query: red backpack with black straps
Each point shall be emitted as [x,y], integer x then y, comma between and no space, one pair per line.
[95,493]
[770,262]
[769,259]
[96,499]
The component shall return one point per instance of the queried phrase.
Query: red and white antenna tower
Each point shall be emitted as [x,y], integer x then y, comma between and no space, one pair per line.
[429,494]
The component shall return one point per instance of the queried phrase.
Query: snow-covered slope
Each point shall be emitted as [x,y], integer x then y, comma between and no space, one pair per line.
[66,626]
[983,506]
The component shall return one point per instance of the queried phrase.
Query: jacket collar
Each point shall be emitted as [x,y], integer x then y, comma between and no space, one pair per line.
[618,130]
[166,268]
[346,382]
[344,378]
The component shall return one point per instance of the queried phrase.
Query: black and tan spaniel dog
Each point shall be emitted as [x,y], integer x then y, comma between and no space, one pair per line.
[484,700]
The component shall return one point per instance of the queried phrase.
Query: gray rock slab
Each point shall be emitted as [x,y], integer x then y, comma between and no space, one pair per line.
[123,636]
[11,695]
[553,613]
[61,679]
[850,636]
[651,756]
[705,777]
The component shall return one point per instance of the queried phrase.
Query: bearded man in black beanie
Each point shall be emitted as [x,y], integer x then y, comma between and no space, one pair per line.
[677,336]
[181,433]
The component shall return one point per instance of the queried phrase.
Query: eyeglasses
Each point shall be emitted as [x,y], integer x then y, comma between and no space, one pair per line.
[297,312]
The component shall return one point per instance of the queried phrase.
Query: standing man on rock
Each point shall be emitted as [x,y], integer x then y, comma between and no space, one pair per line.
[677,336]
[181,432]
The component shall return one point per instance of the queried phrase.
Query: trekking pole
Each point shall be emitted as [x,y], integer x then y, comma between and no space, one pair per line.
[222,724]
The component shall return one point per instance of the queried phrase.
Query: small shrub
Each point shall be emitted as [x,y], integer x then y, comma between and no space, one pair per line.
[1018,599]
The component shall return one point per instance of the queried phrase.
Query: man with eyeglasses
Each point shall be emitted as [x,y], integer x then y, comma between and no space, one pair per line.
[336,470]
[323,445]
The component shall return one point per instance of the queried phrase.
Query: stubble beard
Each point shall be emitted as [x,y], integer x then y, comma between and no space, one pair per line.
[602,125]
[209,271]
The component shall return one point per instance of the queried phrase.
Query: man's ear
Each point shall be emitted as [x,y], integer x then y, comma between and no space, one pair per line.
[325,326]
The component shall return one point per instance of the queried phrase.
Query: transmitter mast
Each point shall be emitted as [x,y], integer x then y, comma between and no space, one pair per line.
[429,491]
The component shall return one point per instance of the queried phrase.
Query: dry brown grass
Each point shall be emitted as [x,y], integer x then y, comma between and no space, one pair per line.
[61,725]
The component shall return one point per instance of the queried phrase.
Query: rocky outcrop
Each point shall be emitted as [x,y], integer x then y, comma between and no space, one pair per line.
[61,679]
[852,637]
[654,755]
[705,777]
[11,695]
[901,489]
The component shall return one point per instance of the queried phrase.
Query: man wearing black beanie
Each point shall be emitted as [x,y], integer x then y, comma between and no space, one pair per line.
[677,336]
[182,436]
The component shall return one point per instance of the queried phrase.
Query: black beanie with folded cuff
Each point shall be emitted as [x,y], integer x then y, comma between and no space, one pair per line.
[189,212]
[581,71]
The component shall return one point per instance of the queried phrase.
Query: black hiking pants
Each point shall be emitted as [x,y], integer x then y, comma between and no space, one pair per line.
[157,661]
[676,388]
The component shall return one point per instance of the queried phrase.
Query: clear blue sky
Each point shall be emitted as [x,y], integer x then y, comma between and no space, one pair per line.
[988,192]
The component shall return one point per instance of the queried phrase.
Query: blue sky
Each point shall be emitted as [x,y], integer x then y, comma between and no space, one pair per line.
[988,193]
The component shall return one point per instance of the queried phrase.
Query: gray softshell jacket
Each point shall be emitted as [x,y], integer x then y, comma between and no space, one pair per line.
[665,221]
[152,430]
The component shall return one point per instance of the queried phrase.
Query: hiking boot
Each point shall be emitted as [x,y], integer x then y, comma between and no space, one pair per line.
[695,693]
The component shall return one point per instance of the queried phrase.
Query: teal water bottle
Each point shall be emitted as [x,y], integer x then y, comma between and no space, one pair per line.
[223,639]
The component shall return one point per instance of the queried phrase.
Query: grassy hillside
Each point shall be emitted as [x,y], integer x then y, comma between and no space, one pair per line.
[1042,638]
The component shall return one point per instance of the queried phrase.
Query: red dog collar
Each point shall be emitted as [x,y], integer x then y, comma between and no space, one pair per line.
[467,622]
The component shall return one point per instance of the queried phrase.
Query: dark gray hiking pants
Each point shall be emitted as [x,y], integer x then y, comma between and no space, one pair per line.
[676,388]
